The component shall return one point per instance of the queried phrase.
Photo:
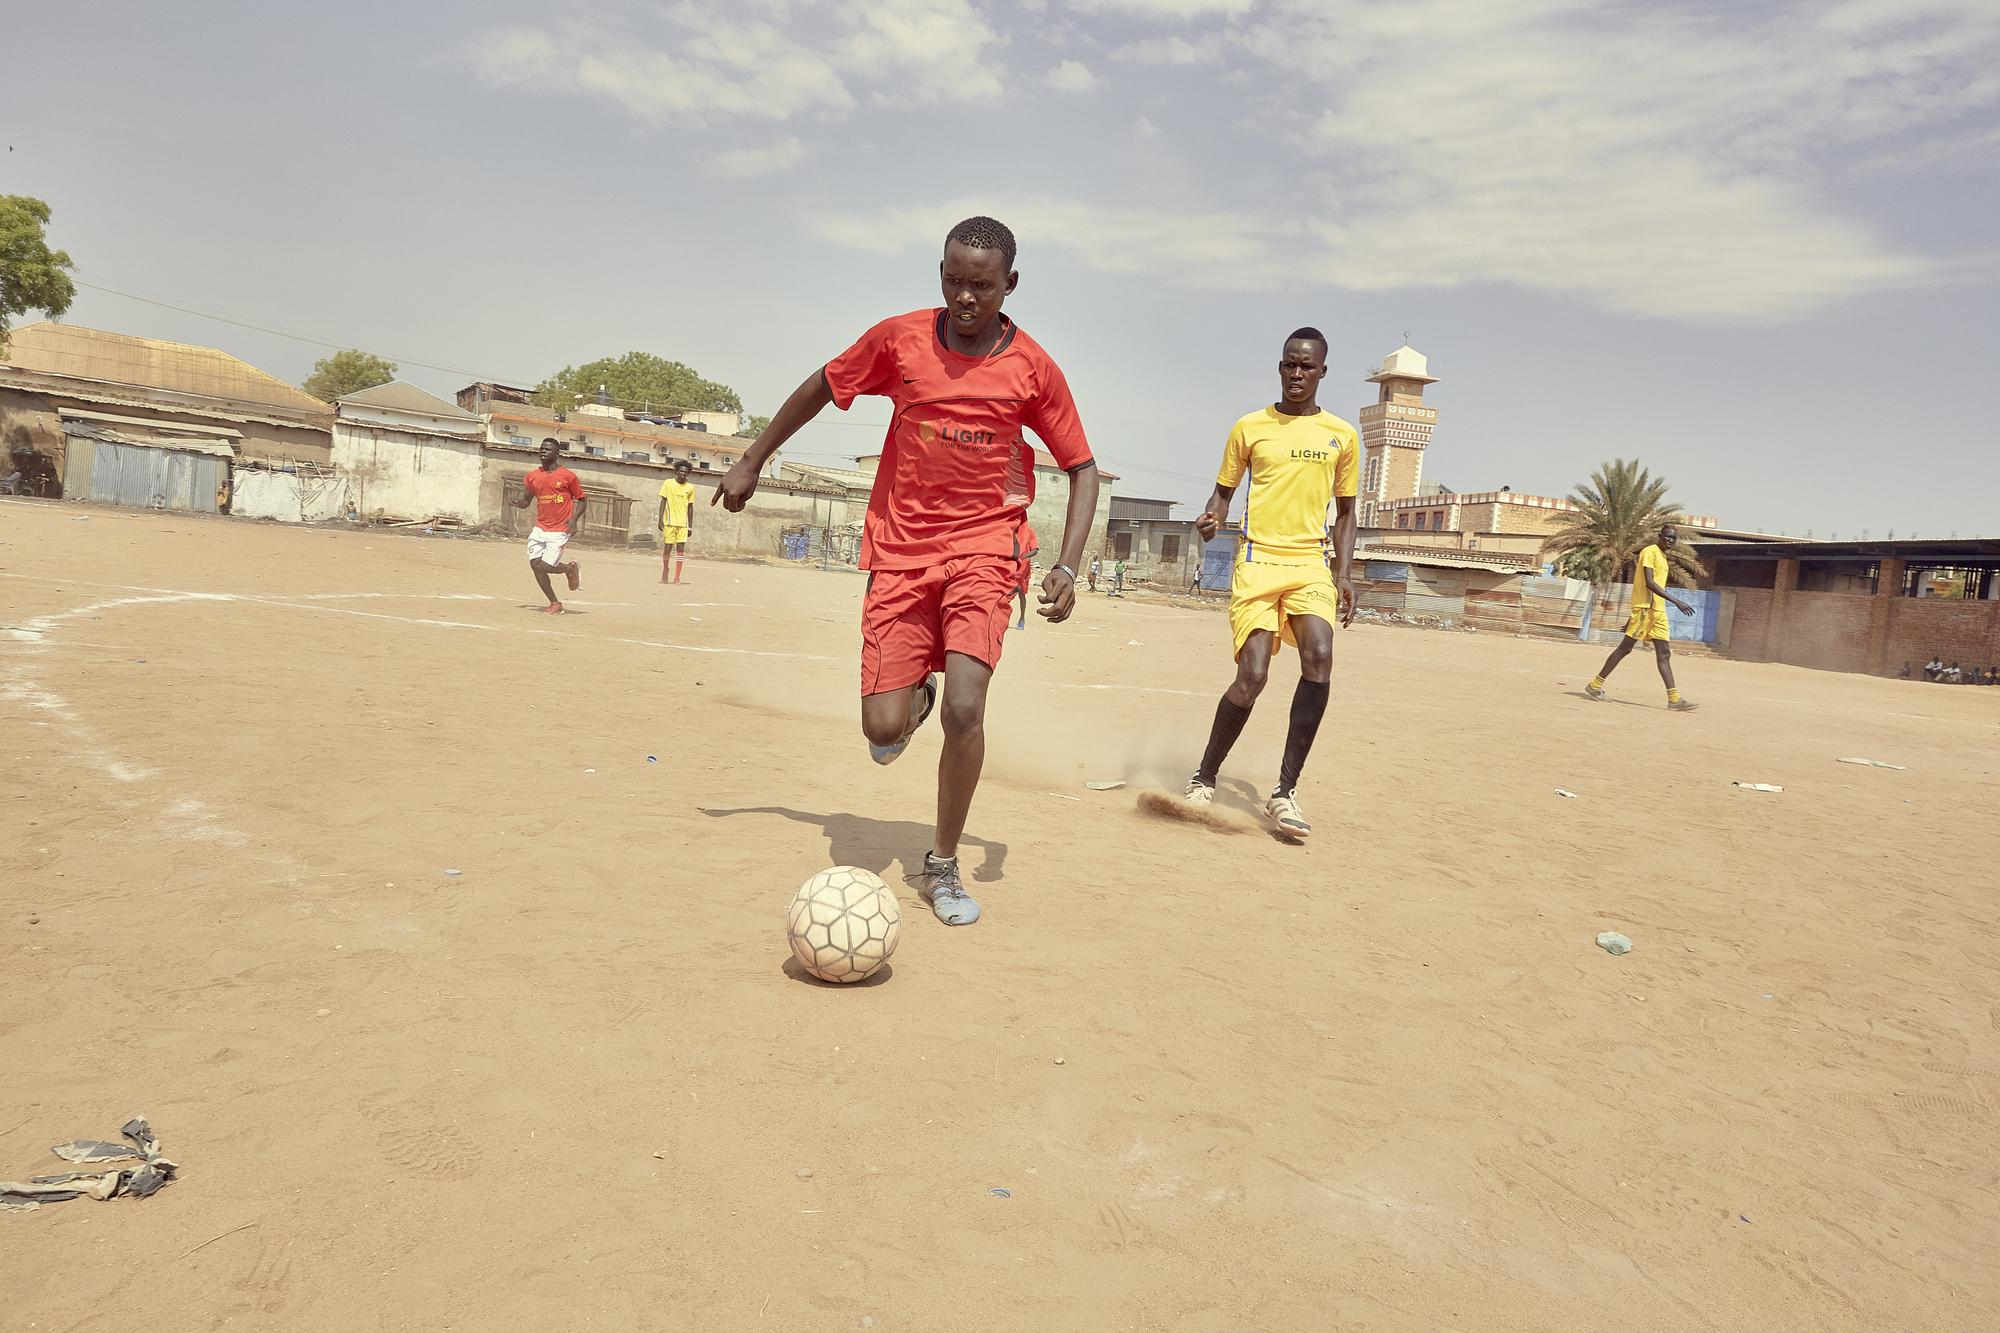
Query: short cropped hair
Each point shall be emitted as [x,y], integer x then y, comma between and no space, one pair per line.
[983,233]
[1311,335]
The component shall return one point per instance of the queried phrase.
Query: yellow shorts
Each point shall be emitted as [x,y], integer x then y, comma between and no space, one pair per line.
[1267,596]
[673,536]
[1648,622]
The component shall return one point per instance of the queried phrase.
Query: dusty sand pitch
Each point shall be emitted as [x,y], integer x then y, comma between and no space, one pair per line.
[1383,1081]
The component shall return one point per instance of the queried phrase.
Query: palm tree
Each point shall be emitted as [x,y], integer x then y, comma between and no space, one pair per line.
[1619,512]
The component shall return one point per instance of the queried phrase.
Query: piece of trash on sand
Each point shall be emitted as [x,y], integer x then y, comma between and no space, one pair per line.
[454,873]
[1565,793]
[1875,763]
[1612,942]
[652,759]
[149,1177]
[1001,1192]
[1757,786]
[1104,786]
[1134,643]
[1060,796]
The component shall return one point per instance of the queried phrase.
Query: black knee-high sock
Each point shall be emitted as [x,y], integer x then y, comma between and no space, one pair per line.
[1308,706]
[1229,720]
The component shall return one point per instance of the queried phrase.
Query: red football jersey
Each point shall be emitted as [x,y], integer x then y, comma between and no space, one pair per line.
[556,495]
[956,476]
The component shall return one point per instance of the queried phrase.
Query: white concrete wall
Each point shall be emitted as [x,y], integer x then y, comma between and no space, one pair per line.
[407,475]
[289,497]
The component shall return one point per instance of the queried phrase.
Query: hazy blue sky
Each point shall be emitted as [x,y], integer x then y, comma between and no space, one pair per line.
[1752,244]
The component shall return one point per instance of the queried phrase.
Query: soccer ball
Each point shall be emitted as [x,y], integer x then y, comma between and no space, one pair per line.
[843,925]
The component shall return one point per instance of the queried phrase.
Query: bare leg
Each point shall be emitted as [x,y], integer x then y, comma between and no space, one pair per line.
[1665,658]
[542,573]
[886,716]
[964,715]
[1618,654]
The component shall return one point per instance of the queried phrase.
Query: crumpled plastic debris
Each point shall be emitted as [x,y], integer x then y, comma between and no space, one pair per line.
[1874,763]
[141,1145]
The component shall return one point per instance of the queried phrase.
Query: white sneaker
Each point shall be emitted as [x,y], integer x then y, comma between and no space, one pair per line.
[1285,813]
[1198,794]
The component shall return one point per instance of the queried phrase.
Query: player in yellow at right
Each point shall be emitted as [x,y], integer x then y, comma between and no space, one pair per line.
[1649,620]
[1299,458]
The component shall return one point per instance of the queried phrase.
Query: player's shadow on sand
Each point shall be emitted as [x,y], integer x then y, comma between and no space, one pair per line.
[798,973]
[1607,699]
[876,844]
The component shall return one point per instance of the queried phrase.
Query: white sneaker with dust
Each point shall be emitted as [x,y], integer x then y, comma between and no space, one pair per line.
[1198,794]
[1283,808]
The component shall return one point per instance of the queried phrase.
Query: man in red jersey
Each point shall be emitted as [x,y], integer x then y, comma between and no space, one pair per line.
[943,537]
[558,498]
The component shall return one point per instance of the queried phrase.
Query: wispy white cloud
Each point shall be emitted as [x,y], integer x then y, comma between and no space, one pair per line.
[1174,49]
[1648,160]
[1695,163]
[921,50]
[692,64]
[716,69]
[763,160]
[1071,76]
[1165,9]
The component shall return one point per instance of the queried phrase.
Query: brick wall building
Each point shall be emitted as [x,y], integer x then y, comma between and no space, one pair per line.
[1860,606]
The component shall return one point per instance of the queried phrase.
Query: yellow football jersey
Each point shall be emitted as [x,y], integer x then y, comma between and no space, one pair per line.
[679,496]
[1655,559]
[1297,465]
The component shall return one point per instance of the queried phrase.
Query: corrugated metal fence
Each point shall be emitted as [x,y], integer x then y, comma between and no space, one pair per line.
[142,476]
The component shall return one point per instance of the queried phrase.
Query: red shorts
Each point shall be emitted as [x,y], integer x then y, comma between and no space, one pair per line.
[912,617]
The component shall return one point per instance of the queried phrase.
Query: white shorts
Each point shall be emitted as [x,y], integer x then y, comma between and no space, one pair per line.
[546,547]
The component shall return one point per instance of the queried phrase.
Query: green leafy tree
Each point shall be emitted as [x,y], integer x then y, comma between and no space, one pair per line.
[347,372]
[32,276]
[637,380]
[752,427]
[1618,513]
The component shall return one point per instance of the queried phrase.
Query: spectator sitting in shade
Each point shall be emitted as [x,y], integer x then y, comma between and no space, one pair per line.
[1951,674]
[1933,668]
[1904,674]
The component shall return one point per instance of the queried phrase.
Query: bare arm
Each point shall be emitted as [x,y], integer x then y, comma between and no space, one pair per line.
[661,522]
[1209,521]
[524,499]
[1058,597]
[1653,586]
[812,397]
[1343,555]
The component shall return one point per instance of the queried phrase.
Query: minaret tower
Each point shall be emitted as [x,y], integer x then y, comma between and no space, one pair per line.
[1395,429]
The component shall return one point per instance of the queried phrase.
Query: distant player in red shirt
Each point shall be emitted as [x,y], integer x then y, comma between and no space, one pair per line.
[558,498]
[943,538]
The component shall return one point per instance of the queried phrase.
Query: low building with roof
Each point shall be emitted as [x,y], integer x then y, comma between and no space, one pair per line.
[57,379]
[603,430]
[407,454]
[1866,606]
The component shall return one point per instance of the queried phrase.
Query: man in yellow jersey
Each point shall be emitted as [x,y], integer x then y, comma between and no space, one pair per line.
[1649,620]
[676,521]
[1298,458]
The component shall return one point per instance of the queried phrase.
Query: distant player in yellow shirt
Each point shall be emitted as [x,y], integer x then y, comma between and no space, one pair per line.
[676,521]
[1298,459]
[1649,620]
